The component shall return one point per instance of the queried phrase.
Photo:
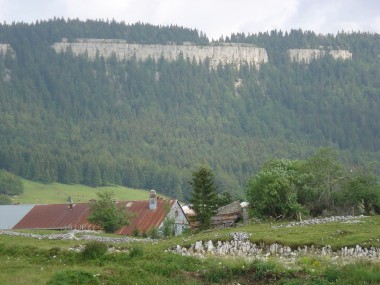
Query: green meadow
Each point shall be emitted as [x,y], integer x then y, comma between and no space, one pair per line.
[28,261]
[56,193]
[33,261]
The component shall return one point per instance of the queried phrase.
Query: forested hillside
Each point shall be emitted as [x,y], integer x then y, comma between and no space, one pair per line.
[148,124]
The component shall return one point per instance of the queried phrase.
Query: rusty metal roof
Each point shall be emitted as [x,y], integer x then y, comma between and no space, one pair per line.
[56,216]
[144,219]
[62,216]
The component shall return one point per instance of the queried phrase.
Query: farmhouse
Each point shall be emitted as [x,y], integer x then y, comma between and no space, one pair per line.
[146,215]
[227,215]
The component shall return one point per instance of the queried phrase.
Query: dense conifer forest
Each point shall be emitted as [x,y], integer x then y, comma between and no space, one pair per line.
[149,124]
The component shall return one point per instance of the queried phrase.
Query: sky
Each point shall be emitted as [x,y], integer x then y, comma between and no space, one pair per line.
[216,18]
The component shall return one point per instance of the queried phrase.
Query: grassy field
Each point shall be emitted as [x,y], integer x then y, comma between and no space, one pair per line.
[56,193]
[31,261]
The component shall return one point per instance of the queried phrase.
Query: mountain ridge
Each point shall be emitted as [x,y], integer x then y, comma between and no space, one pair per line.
[148,124]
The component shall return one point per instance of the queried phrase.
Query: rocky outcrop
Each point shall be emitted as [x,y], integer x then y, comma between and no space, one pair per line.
[240,246]
[307,55]
[235,54]
[3,48]
[6,48]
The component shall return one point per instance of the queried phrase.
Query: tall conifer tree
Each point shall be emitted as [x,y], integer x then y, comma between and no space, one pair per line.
[203,196]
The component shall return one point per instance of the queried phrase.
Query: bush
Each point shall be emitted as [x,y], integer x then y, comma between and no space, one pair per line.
[136,232]
[54,251]
[94,249]
[154,233]
[136,251]
[332,274]
[73,277]
[263,270]
[168,228]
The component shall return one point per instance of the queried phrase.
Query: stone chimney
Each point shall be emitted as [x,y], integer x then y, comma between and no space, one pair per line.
[152,200]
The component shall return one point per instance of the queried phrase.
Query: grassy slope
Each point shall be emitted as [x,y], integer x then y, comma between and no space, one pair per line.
[38,193]
[27,261]
[28,257]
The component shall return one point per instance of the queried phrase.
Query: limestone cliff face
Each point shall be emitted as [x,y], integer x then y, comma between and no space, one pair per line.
[307,55]
[235,54]
[5,48]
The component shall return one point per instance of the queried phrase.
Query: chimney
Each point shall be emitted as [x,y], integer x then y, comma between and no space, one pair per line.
[152,200]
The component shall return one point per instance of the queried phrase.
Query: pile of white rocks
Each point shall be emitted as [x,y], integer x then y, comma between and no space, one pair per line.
[240,246]
[314,221]
[110,249]
[76,235]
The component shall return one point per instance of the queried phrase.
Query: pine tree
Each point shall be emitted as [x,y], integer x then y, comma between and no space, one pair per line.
[203,196]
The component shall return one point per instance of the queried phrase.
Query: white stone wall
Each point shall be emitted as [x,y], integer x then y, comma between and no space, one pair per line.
[236,54]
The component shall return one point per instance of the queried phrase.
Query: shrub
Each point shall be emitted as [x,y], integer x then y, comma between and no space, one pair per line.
[218,274]
[54,251]
[168,228]
[263,270]
[136,232]
[94,249]
[136,251]
[154,233]
[332,274]
[73,277]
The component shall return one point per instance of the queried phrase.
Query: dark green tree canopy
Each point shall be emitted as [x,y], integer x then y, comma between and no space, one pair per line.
[284,188]
[361,191]
[273,191]
[203,196]
[145,124]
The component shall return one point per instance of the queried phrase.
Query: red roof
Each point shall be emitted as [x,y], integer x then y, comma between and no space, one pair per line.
[61,216]
[144,219]
[56,216]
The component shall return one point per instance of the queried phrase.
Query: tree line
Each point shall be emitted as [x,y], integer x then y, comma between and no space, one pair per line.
[146,124]
[319,185]
[294,189]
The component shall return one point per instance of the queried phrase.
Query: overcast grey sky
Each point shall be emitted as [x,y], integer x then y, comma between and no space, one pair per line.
[214,17]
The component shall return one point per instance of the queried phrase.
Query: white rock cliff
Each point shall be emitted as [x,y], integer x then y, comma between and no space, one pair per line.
[235,54]
[307,55]
[5,48]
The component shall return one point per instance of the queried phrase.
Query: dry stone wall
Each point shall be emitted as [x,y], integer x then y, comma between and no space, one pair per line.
[235,54]
[307,55]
